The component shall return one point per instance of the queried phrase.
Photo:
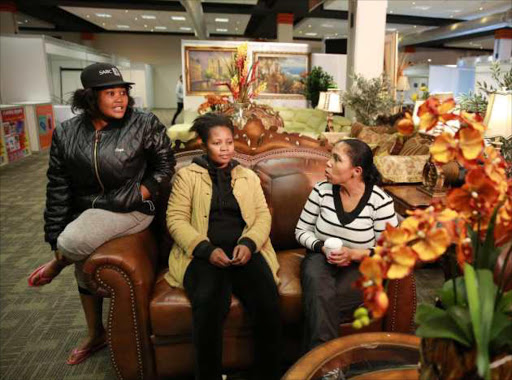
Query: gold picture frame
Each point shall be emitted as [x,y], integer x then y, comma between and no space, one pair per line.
[204,67]
[283,72]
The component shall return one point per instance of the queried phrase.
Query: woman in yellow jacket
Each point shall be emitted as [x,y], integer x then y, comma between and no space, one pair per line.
[220,223]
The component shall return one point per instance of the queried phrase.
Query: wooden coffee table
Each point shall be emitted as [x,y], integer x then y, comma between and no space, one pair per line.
[368,356]
[407,197]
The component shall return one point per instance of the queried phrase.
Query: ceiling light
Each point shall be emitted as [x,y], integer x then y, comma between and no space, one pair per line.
[327,25]
[20,23]
[429,60]
[310,34]
[390,11]
[148,17]
[422,7]
[26,21]
[160,27]
[123,26]
[87,16]
[456,11]
[481,8]
[414,26]
[413,3]
[451,16]
[145,26]
[185,28]
[335,34]
[103,15]
[126,11]
[178,18]
[236,28]
[390,29]
[221,30]
[103,23]
[221,19]
[309,26]
[136,18]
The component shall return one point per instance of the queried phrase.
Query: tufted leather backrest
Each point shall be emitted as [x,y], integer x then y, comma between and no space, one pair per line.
[287,177]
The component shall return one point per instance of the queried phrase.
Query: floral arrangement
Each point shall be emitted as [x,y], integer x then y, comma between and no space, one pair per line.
[469,230]
[422,96]
[243,78]
[214,103]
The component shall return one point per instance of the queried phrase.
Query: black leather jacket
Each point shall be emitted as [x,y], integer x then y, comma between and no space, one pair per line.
[104,169]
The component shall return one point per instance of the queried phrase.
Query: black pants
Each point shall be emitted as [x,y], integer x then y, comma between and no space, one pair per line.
[328,298]
[178,111]
[209,289]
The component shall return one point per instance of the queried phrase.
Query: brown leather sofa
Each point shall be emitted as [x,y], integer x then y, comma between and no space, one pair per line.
[149,324]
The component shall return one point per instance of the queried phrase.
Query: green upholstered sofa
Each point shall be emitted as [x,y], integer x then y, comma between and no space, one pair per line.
[306,121]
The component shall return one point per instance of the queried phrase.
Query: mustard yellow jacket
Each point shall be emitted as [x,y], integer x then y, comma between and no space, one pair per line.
[189,209]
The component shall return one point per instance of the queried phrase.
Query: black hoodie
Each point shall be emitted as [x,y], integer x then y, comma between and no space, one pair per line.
[225,223]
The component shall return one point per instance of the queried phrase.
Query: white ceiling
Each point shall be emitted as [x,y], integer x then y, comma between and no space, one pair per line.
[461,9]
[333,28]
[159,21]
[27,21]
[474,43]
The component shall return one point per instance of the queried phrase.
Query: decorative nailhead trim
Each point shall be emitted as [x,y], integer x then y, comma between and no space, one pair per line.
[134,315]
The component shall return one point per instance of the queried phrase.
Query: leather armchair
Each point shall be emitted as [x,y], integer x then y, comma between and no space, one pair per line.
[149,324]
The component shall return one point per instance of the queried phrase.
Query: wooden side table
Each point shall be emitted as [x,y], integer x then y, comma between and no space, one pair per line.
[407,197]
[375,356]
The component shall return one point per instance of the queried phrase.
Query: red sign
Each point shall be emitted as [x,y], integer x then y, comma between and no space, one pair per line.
[15,134]
[46,124]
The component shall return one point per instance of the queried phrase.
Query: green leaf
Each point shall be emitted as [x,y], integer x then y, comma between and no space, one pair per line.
[447,296]
[499,323]
[488,251]
[481,292]
[505,304]
[426,312]
[443,326]
[503,341]
[461,317]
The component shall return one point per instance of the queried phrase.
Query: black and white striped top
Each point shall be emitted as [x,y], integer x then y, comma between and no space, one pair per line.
[323,217]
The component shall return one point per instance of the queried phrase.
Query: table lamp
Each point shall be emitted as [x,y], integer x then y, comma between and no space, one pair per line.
[330,102]
[498,117]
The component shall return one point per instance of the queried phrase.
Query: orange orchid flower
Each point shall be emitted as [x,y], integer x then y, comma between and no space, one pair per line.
[405,126]
[471,142]
[402,260]
[431,240]
[444,149]
[503,229]
[479,194]
[433,111]
[373,270]
[495,168]
[376,299]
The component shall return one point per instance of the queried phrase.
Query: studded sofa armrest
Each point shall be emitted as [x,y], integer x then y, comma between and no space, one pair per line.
[124,269]
[402,305]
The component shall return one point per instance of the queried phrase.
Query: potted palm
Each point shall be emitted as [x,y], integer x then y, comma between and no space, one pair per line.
[468,333]
[315,82]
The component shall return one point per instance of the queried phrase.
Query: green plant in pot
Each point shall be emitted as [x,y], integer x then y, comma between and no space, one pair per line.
[315,82]
[468,334]
[369,98]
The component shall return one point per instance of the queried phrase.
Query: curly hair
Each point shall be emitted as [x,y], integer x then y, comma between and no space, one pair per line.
[86,101]
[204,123]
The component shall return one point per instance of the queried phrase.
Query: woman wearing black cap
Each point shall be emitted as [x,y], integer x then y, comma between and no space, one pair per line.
[105,171]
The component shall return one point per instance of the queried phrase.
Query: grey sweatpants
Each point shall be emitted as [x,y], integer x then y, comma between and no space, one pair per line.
[93,228]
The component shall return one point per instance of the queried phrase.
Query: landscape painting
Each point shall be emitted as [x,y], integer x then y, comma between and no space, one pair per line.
[283,73]
[206,66]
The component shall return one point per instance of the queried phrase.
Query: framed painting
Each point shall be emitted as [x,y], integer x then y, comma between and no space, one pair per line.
[283,73]
[204,67]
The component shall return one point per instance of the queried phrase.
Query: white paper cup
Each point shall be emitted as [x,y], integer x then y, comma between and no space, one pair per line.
[332,244]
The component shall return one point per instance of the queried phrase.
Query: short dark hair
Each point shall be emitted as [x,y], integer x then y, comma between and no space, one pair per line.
[361,155]
[202,124]
[86,101]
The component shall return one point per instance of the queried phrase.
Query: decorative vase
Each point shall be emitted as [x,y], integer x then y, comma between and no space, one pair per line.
[238,115]
[445,359]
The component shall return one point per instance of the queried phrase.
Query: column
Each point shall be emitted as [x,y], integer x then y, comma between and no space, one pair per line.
[367,29]
[8,23]
[502,44]
[285,27]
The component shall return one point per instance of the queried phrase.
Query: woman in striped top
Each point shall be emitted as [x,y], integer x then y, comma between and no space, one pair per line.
[349,206]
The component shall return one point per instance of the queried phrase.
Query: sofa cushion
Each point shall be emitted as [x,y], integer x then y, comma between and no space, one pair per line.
[415,146]
[171,312]
[401,169]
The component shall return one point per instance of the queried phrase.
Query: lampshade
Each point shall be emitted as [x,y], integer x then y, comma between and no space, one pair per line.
[498,118]
[403,83]
[330,101]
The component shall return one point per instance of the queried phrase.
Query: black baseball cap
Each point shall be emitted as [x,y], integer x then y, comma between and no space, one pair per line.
[100,75]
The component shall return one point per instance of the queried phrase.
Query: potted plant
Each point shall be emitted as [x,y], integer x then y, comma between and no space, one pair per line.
[315,82]
[468,334]
[369,98]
